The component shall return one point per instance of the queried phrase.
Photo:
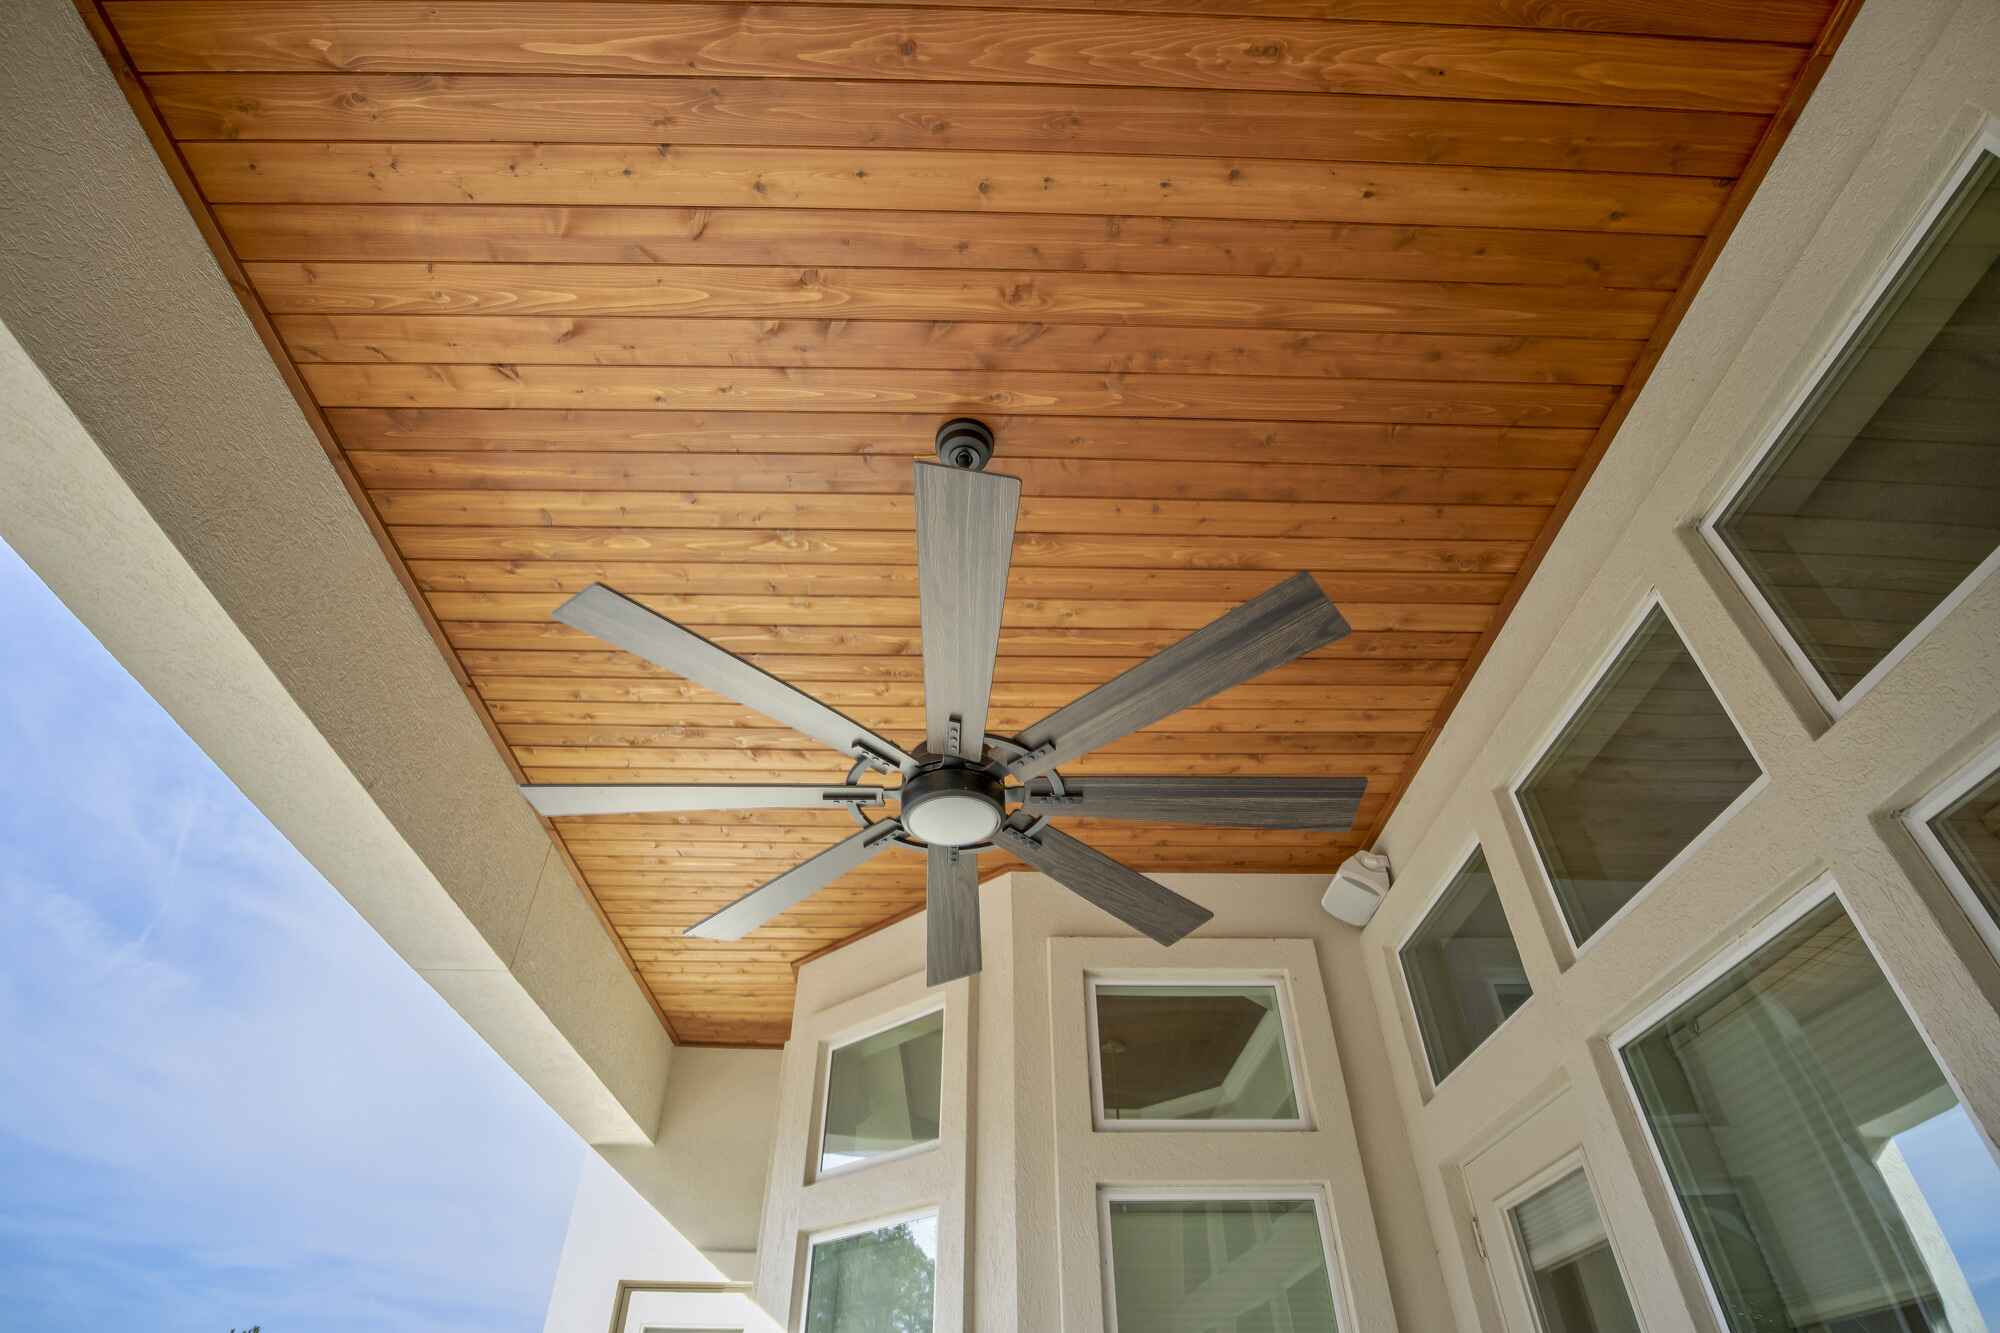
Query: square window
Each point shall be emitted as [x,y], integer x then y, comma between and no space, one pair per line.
[1837,1186]
[1573,1277]
[882,1093]
[1463,968]
[1212,1054]
[1880,499]
[882,1280]
[1263,1264]
[1959,827]
[1647,763]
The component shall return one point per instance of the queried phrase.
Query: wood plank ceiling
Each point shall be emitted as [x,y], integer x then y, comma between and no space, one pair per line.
[668,295]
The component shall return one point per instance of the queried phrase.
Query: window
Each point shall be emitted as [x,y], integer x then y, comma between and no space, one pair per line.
[879,1280]
[1463,969]
[1643,767]
[882,1093]
[1879,502]
[1239,1263]
[1959,826]
[1172,1053]
[1828,1177]
[1574,1280]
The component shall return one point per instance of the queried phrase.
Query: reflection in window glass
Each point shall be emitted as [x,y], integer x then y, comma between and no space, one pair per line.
[1202,1265]
[1463,968]
[882,1092]
[1882,495]
[880,1281]
[1192,1053]
[1969,831]
[1830,1179]
[1575,1281]
[1647,763]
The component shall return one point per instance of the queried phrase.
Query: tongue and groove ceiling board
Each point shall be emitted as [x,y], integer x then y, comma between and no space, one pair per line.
[670,295]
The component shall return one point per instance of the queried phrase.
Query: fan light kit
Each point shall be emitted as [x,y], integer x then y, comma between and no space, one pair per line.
[956,789]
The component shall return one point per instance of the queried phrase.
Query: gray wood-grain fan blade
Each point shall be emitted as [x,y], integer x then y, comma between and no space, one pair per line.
[1143,903]
[951,915]
[619,620]
[1326,804]
[965,540]
[1268,631]
[793,887]
[554,799]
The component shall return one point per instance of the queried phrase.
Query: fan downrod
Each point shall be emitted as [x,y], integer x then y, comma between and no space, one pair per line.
[965,442]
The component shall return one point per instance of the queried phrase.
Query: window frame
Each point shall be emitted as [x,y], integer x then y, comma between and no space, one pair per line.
[1575,1161]
[1278,982]
[1336,1279]
[828,1049]
[1776,422]
[1468,849]
[1917,820]
[1573,705]
[847,1230]
[1786,914]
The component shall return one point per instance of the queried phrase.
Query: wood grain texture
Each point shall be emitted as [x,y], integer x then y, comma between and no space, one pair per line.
[456,108]
[657,175]
[815,238]
[988,46]
[669,297]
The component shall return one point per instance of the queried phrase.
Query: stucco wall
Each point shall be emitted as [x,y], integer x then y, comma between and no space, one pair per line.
[1910,86]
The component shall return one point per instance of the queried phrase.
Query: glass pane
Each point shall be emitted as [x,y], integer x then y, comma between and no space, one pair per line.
[1646,764]
[1464,972]
[882,1092]
[1830,1178]
[880,1281]
[1202,1265]
[1969,831]
[1576,1284]
[1193,1053]
[1884,492]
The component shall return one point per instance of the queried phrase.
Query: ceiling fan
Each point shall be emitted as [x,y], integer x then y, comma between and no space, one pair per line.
[954,797]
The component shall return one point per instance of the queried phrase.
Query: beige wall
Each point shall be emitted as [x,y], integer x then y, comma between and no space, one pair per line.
[1912,85]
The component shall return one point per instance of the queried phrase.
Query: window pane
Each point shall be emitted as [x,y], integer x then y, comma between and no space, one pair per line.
[1646,764]
[1464,971]
[877,1282]
[1969,831]
[1576,1284]
[1830,1178]
[882,1092]
[1263,1266]
[1884,492]
[1193,1053]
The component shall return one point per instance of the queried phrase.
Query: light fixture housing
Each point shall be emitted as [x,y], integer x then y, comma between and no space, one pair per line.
[953,806]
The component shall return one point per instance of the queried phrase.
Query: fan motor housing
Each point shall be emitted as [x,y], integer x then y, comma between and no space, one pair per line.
[953,805]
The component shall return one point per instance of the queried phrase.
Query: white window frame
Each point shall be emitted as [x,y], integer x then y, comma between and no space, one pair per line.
[1336,1279]
[1766,930]
[1577,698]
[1288,1038]
[847,1230]
[1917,819]
[1468,849]
[1570,1163]
[1987,141]
[828,1050]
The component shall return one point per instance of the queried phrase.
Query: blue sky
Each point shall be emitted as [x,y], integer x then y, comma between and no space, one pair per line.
[223,1100]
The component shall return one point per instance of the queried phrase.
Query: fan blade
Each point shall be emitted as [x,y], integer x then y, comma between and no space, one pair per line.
[619,620]
[560,799]
[1288,621]
[1327,804]
[793,887]
[965,539]
[1145,904]
[951,915]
